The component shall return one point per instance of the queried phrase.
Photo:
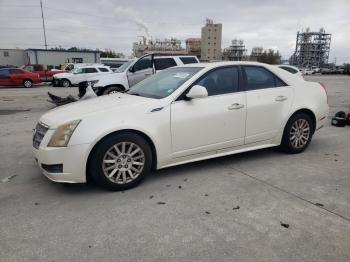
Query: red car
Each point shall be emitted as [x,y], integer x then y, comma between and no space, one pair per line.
[18,77]
[45,75]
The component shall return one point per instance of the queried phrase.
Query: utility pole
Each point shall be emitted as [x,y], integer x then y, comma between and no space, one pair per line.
[42,16]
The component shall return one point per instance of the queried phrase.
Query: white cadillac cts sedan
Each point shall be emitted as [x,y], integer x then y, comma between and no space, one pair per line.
[179,115]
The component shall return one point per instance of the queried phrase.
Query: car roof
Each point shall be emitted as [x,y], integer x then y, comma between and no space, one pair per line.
[225,63]
[285,76]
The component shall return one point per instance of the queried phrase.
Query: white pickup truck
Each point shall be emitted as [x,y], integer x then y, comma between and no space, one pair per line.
[135,71]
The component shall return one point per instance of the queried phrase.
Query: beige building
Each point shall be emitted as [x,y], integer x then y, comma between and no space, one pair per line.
[193,47]
[211,41]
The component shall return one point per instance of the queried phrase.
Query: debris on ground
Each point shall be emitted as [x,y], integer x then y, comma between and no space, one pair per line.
[161,203]
[185,179]
[284,225]
[206,195]
[207,212]
[236,207]
[7,179]
[180,187]
[168,185]
[36,203]
[150,197]
[319,204]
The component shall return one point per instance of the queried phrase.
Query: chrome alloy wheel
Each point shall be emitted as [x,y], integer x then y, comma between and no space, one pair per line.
[299,133]
[123,162]
[27,83]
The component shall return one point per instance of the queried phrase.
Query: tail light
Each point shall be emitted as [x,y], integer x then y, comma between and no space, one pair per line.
[324,88]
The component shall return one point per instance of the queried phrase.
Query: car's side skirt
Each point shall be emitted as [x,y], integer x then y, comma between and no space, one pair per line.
[218,153]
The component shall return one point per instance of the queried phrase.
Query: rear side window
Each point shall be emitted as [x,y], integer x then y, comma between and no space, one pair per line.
[4,73]
[103,69]
[189,60]
[221,81]
[89,70]
[260,78]
[37,68]
[163,63]
[16,71]
[289,69]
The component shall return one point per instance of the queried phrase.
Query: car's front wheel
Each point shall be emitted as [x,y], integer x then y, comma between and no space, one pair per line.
[65,83]
[297,134]
[27,83]
[113,90]
[120,161]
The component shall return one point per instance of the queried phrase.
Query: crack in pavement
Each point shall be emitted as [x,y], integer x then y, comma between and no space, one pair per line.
[287,192]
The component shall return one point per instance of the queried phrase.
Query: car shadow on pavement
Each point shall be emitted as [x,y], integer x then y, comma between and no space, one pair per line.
[163,175]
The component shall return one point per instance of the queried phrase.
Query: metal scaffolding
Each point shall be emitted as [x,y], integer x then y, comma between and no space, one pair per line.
[170,46]
[236,51]
[312,49]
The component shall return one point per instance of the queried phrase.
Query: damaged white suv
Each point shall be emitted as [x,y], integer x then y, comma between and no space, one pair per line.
[135,71]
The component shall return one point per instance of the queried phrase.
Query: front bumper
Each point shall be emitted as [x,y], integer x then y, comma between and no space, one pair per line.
[72,158]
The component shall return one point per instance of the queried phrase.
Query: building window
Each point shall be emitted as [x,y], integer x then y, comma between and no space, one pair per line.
[77,60]
[214,37]
[214,43]
[6,53]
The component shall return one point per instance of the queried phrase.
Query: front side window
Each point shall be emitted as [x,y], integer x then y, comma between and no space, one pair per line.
[143,63]
[16,71]
[89,70]
[260,78]
[163,63]
[163,83]
[221,81]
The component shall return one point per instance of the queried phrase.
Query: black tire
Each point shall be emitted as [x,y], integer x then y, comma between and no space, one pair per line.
[27,83]
[96,164]
[288,144]
[65,83]
[113,89]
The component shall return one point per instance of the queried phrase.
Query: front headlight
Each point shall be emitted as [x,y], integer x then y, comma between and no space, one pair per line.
[62,134]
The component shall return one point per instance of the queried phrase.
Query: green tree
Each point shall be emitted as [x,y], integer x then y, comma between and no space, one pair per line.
[111,54]
[270,57]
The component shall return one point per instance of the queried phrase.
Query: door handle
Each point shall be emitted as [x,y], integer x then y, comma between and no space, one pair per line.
[148,74]
[281,98]
[235,106]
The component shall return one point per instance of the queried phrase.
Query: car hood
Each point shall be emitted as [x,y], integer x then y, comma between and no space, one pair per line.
[62,75]
[81,109]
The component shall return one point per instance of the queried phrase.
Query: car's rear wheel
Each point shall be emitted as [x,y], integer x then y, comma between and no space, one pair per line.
[120,162]
[297,134]
[113,90]
[65,83]
[27,83]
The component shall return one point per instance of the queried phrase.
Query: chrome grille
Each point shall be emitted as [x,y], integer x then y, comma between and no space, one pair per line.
[39,133]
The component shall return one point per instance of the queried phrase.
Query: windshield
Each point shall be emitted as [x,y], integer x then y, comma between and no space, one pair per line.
[124,66]
[163,83]
[76,71]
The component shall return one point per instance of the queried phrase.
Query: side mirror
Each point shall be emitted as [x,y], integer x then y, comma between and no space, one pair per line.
[197,91]
[132,69]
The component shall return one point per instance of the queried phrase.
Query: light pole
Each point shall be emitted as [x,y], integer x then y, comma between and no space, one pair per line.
[42,16]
